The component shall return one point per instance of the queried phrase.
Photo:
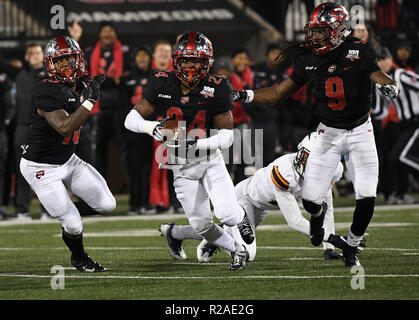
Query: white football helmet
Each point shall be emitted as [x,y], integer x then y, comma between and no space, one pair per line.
[303,151]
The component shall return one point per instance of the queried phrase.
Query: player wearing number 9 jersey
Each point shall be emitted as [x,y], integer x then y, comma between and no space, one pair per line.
[340,70]
[199,102]
[60,105]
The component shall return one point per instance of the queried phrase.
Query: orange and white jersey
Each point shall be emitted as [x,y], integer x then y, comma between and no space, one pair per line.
[279,177]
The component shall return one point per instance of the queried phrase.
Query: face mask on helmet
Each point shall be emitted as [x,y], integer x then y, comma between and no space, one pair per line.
[191,68]
[304,148]
[65,67]
[192,57]
[64,59]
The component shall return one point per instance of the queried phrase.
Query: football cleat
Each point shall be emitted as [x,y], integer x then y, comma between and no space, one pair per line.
[205,251]
[246,229]
[175,245]
[316,226]
[340,241]
[350,256]
[86,264]
[330,254]
[239,260]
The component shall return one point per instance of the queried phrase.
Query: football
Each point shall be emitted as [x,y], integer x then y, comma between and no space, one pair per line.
[171,130]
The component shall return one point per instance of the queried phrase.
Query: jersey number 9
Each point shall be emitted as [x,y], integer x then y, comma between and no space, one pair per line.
[334,90]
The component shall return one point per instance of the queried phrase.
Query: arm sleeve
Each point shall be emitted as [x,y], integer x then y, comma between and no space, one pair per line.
[299,74]
[48,97]
[224,98]
[291,211]
[369,58]
[223,139]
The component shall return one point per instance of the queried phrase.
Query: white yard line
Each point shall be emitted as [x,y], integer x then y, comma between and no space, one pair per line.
[97,276]
[171,216]
[165,248]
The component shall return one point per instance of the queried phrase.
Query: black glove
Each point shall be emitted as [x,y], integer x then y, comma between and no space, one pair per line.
[92,89]
[240,96]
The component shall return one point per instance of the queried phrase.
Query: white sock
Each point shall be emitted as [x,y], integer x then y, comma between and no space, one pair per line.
[353,240]
[226,242]
[185,232]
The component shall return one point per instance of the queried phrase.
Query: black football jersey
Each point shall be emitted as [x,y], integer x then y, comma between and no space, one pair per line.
[212,96]
[43,143]
[340,81]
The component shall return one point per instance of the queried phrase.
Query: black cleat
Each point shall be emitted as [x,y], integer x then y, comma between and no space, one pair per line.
[86,264]
[239,260]
[246,229]
[340,241]
[350,256]
[316,226]
[175,245]
[330,254]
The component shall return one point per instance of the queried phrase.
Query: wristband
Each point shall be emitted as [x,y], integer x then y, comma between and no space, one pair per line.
[250,96]
[88,105]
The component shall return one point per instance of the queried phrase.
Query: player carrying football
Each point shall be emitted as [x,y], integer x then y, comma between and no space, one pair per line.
[61,103]
[201,102]
[340,70]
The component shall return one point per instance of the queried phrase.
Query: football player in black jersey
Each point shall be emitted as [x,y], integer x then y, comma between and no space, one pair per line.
[199,102]
[60,105]
[340,70]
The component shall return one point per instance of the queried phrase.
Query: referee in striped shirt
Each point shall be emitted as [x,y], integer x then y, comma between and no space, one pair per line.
[405,151]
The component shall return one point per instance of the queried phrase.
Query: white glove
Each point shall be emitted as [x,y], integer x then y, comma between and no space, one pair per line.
[390,90]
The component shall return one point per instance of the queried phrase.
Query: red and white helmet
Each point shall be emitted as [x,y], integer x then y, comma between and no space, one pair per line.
[192,45]
[333,16]
[62,46]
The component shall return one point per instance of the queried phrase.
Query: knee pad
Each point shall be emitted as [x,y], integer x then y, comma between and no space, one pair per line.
[201,226]
[108,205]
[71,223]
[311,207]
[366,190]
[229,214]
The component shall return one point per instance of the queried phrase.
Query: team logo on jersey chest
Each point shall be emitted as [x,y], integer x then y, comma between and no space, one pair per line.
[184,100]
[353,55]
[332,68]
[208,92]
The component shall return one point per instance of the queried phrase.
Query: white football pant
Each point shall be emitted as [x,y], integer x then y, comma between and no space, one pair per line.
[50,183]
[358,147]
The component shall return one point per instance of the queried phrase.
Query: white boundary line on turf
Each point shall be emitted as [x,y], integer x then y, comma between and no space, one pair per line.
[96,276]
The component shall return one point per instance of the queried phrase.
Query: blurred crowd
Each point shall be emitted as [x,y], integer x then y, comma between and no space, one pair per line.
[127,69]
